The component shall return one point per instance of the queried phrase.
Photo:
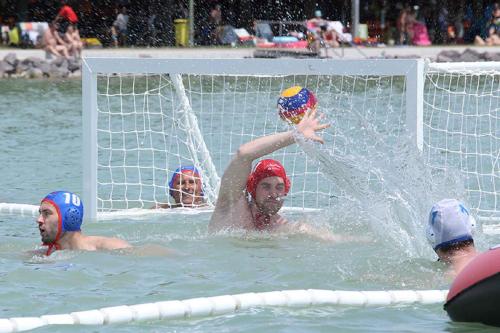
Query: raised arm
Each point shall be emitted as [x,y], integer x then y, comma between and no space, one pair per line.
[234,180]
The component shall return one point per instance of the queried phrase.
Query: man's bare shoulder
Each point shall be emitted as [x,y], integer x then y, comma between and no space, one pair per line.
[319,232]
[106,243]
[235,216]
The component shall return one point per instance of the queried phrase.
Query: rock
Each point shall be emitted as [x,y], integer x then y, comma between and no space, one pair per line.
[75,74]
[470,56]
[34,73]
[407,56]
[34,61]
[64,66]
[44,67]
[448,56]
[491,56]
[7,68]
[58,72]
[11,59]
[24,66]
[450,53]
[58,61]
[441,58]
[73,65]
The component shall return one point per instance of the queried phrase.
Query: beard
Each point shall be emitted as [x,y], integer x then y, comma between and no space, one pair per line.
[187,198]
[47,237]
[269,207]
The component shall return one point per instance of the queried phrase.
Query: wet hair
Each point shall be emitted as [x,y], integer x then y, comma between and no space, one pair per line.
[449,248]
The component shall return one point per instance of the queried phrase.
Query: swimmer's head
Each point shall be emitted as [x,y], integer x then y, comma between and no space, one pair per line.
[60,211]
[450,223]
[268,184]
[185,186]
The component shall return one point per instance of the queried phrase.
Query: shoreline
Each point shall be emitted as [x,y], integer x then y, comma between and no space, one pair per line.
[245,52]
[33,63]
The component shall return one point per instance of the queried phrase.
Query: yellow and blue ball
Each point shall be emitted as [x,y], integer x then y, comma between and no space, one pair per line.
[294,102]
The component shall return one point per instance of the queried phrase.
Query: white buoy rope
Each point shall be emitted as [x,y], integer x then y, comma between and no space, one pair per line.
[18,209]
[218,305]
[132,213]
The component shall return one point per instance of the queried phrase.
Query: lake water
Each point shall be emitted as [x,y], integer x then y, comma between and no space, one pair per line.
[40,151]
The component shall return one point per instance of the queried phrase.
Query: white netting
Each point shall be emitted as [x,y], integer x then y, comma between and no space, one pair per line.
[462,130]
[149,125]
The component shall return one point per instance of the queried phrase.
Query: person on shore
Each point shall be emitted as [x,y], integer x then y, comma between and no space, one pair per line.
[186,188]
[66,17]
[449,231]
[402,26]
[121,27]
[73,41]
[316,27]
[13,35]
[215,20]
[329,36]
[114,35]
[493,30]
[251,199]
[59,222]
[53,43]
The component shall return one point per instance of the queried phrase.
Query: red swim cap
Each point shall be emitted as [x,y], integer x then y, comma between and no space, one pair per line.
[264,169]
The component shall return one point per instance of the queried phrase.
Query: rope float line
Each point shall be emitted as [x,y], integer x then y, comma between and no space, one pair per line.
[32,211]
[218,305]
[131,213]
[18,209]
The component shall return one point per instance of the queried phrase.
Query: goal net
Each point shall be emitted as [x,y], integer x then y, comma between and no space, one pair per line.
[144,118]
[462,128]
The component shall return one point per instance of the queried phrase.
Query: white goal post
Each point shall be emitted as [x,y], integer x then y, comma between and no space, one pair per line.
[144,117]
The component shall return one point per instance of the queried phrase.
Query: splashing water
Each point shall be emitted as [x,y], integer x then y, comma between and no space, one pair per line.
[383,183]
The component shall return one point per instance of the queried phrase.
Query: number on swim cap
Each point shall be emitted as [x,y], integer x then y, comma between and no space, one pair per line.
[75,200]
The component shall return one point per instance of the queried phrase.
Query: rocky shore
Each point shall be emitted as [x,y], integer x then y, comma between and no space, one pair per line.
[18,63]
[469,55]
[35,67]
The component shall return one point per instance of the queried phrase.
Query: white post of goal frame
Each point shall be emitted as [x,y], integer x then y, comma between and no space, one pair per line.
[89,156]
[415,81]
[411,69]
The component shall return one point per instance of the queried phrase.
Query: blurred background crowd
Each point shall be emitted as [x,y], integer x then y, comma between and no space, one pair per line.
[154,23]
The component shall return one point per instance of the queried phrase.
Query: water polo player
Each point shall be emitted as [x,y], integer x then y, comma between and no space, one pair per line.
[186,188]
[60,221]
[449,231]
[267,185]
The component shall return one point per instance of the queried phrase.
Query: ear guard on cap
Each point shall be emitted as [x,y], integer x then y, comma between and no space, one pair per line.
[72,219]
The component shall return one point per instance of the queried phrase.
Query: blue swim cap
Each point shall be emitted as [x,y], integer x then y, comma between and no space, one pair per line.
[180,170]
[69,208]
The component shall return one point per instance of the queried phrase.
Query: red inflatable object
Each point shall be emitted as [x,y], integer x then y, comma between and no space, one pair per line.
[474,294]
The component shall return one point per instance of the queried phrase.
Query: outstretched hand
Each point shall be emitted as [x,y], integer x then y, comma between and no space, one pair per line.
[311,124]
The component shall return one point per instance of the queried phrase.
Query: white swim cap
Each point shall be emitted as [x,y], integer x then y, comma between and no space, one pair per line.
[449,222]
